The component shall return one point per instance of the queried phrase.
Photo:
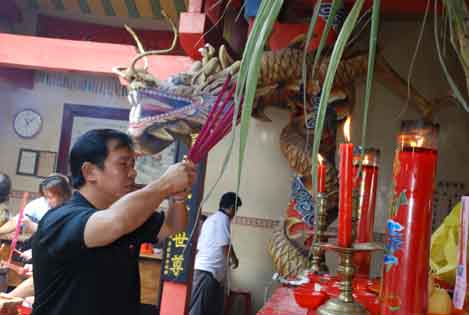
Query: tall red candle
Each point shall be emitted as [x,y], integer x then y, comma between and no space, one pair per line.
[406,259]
[367,185]
[345,189]
[321,174]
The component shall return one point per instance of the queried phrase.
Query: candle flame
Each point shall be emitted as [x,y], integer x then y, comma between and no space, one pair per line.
[418,143]
[320,158]
[347,129]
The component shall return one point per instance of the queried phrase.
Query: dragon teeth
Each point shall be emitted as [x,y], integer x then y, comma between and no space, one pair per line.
[131,115]
[138,112]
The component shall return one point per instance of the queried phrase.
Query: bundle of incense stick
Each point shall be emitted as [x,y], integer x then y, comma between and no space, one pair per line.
[217,126]
[18,227]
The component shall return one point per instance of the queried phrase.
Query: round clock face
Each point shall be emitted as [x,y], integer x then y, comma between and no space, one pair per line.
[27,123]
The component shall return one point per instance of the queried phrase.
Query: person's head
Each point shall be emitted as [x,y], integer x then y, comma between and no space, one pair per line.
[104,159]
[5,187]
[229,202]
[56,189]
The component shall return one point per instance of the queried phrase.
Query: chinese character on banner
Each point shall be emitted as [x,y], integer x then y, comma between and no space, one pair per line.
[175,259]
[180,239]
[177,265]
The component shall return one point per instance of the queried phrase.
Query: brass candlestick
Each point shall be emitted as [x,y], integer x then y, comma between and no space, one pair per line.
[319,259]
[345,304]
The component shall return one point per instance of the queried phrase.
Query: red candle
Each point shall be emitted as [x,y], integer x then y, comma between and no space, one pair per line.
[321,174]
[406,260]
[366,184]
[345,191]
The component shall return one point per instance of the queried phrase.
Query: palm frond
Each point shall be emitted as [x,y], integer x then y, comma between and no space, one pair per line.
[337,53]
[454,16]
[369,77]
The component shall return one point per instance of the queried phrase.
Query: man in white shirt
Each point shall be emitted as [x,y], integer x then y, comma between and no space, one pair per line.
[213,248]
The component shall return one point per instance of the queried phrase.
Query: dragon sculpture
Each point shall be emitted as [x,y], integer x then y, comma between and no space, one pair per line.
[163,111]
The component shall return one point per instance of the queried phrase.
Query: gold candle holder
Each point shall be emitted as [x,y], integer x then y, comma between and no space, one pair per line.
[345,304]
[318,265]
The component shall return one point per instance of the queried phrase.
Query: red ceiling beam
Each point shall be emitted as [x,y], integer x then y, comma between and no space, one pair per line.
[48,54]
[195,6]
[204,23]
[55,27]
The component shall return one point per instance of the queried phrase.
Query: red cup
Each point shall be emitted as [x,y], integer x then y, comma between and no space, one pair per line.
[309,299]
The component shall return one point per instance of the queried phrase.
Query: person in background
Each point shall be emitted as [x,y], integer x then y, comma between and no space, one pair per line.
[55,190]
[82,248]
[213,249]
[5,189]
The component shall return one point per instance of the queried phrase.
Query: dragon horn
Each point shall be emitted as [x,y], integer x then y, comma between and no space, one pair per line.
[140,48]
[225,58]
[156,52]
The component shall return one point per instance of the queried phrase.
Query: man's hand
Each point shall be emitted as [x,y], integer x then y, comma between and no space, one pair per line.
[30,226]
[180,177]
[27,255]
[234,262]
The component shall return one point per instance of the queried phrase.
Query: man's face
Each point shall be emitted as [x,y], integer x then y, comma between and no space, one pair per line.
[53,199]
[117,178]
[232,212]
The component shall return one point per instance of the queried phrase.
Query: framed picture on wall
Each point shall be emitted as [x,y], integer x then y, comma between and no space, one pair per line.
[27,162]
[78,119]
[35,163]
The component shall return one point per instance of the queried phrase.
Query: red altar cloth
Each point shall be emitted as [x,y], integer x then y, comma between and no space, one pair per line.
[282,302]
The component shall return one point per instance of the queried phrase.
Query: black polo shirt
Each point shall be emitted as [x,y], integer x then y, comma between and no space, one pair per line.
[71,279]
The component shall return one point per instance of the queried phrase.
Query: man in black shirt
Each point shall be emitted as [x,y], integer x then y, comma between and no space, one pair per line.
[85,252]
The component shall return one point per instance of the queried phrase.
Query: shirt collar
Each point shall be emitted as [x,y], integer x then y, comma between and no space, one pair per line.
[80,199]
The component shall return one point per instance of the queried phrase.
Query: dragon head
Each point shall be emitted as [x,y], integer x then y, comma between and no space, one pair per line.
[165,111]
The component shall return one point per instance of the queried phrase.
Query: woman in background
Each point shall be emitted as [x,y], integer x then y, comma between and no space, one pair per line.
[54,191]
[5,189]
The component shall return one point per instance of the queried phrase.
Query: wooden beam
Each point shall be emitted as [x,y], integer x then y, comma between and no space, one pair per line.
[195,6]
[192,27]
[20,78]
[47,54]
[214,10]
[10,11]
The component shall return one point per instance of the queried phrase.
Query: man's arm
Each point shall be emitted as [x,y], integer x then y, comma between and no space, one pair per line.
[132,210]
[175,220]
[24,289]
[233,259]
[9,226]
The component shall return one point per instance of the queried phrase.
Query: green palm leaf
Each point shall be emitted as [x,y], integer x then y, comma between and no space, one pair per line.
[454,17]
[309,35]
[254,63]
[369,77]
[247,83]
[337,53]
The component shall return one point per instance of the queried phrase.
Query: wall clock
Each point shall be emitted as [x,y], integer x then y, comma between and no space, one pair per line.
[27,123]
